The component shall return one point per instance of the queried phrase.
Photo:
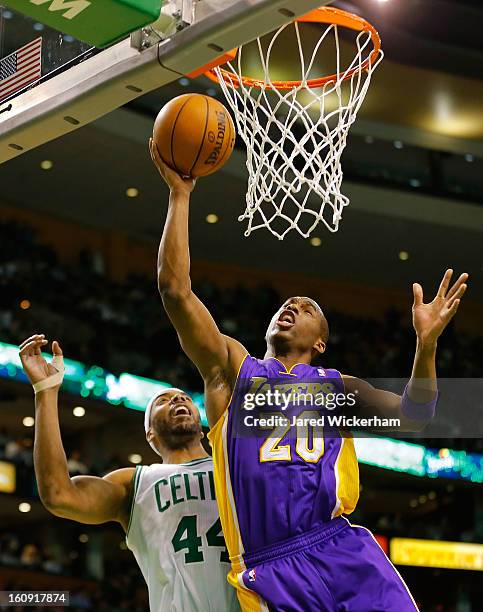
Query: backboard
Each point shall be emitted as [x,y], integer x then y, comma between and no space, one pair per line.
[77,83]
[58,51]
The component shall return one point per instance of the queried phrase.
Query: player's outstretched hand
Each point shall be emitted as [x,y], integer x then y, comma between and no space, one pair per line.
[35,366]
[430,320]
[174,180]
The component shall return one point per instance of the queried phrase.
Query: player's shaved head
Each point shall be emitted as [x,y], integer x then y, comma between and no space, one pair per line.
[324,326]
[300,326]
[173,421]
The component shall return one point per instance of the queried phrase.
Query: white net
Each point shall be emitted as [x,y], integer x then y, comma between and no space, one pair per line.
[295,137]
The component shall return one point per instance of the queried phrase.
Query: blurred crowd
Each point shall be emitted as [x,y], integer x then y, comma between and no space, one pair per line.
[442,526]
[446,522]
[123,327]
[121,590]
[18,551]
[19,451]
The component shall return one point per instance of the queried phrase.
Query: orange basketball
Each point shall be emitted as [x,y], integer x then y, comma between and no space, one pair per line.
[195,134]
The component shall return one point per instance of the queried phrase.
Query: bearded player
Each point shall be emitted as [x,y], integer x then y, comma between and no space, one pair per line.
[167,510]
[281,498]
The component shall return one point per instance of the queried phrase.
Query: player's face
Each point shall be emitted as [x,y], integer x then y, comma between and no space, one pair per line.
[299,321]
[175,416]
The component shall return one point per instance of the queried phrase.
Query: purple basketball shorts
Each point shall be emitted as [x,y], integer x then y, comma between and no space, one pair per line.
[334,568]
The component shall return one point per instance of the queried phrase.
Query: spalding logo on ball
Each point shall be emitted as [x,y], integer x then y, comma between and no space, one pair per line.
[195,135]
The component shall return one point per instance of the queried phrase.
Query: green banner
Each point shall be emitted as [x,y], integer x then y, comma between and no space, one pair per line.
[96,22]
[134,392]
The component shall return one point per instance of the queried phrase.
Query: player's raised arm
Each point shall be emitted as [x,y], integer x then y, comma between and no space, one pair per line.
[211,351]
[86,499]
[416,406]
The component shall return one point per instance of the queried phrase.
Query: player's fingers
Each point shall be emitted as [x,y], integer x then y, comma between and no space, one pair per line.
[25,342]
[462,279]
[153,149]
[451,311]
[418,294]
[443,287]
[459,294]
[32,344]
[37,348]
[151,152]
[25,348]
[31,339]
[56,350]
[157,161]
[32,348]
[155,152]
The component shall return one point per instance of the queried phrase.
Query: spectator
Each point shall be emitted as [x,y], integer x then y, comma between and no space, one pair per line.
[30,556]
[9,549]
[14,451]
[74,464]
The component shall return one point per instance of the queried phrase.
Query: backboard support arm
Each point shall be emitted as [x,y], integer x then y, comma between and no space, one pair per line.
[122,73]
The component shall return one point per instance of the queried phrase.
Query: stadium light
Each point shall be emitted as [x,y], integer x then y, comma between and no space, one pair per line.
[24,507]
[79,411]
[133,392]
[28,421]
[135,458]
[436,553]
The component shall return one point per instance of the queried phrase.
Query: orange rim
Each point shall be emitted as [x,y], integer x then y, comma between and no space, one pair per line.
[323,15]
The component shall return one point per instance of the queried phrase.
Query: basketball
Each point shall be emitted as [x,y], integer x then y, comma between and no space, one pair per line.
[195,134]
[128,480]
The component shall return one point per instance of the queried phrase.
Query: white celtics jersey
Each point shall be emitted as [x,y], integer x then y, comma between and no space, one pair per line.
[175,534]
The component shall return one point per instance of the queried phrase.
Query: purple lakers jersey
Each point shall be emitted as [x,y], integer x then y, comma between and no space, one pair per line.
[280,468]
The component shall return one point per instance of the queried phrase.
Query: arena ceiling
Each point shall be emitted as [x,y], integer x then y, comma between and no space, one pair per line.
[94,167]
[427,95]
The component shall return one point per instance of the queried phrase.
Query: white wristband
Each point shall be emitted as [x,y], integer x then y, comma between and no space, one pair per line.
[55,379]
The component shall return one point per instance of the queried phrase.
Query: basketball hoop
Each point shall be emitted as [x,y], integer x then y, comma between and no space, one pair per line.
[294,136]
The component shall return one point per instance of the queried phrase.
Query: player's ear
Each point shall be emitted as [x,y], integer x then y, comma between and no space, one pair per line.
[320,346]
